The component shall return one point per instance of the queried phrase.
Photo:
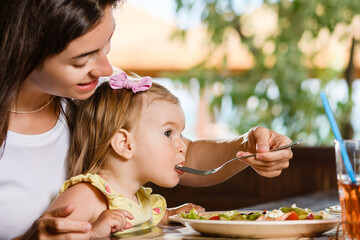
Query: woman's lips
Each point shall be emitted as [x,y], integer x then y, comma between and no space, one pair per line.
[88,86]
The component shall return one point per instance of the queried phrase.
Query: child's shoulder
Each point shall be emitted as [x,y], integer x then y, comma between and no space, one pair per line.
[84,196]
[85,190]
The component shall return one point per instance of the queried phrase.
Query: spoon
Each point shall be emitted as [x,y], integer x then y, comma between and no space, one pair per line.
[207,172]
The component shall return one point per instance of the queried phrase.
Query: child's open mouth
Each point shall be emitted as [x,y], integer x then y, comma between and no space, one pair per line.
[178,170]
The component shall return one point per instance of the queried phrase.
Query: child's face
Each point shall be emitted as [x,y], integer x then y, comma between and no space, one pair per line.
[158,145]
[74,72]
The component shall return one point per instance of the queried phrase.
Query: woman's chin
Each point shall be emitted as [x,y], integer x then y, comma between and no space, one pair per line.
[83,96]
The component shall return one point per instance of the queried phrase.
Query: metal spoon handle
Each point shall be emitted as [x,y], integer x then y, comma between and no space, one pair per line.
[207,172]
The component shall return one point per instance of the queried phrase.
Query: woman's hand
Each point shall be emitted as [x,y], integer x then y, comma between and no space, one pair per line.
[54,225]
[265,163]
[110,221]
[185,208]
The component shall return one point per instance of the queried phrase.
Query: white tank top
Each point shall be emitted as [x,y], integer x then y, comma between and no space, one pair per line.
[32,170]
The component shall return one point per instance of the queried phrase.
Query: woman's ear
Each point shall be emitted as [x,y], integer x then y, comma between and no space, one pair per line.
[121,143]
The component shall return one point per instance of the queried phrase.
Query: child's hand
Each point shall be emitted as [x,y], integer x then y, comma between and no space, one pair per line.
[180,209]
[185,208]
[110,221]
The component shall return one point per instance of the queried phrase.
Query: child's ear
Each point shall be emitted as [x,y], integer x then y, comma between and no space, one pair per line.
[121,143]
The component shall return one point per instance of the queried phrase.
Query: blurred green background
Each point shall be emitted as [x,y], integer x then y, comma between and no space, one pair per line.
[293,51]
[281,90]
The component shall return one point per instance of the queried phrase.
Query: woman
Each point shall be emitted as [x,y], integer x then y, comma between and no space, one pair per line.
[53,51]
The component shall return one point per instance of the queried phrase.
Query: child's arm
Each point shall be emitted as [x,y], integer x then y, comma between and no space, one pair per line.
[180,209]
[91,205]
[88,201]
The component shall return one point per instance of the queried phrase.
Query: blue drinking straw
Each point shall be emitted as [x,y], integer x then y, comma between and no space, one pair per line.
[336,132]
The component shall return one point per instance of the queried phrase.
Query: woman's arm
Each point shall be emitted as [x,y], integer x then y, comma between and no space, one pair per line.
[209,154]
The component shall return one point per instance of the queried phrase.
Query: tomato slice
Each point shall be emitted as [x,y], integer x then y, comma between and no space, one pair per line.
[292,216]
[287,216]
[214,218]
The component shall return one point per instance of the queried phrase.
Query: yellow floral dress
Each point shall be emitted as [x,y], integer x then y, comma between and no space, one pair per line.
[148,213]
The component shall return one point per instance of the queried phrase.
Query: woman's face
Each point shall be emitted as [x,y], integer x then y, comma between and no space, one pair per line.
[75,72]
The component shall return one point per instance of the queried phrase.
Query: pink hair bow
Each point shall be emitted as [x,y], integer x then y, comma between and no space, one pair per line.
[120,81]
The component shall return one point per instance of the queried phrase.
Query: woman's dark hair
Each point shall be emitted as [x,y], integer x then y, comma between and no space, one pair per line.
[33,30]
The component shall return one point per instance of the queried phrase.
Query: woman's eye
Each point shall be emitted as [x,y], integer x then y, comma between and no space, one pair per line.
[82,63]
[168,133]
[79,65]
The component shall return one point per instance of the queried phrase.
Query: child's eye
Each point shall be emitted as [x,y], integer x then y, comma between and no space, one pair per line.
[168,133]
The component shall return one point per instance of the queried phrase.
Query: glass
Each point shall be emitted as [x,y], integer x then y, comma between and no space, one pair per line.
[349,192]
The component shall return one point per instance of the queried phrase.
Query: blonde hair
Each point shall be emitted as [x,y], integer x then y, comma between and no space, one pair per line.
[98,118]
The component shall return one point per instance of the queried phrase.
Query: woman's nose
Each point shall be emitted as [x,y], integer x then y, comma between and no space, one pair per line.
[102,66]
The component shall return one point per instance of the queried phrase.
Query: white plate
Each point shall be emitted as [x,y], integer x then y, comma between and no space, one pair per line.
[334,209]
[259,229]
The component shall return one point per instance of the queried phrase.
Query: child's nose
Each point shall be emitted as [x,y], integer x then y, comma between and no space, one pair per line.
[182,146]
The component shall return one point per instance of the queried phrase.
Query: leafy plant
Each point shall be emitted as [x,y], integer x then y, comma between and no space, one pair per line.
[281,90]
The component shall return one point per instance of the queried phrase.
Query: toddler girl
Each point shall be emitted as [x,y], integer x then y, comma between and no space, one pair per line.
[127,134]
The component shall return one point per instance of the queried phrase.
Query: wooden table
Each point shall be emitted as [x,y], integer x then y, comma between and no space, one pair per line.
[316,201]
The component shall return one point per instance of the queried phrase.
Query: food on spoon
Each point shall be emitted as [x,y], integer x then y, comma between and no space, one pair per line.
[281,214]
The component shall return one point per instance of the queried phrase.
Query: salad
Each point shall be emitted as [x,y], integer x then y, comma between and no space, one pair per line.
[281,214]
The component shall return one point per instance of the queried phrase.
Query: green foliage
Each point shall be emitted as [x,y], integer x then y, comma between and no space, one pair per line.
[276,92]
